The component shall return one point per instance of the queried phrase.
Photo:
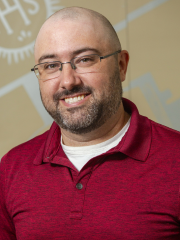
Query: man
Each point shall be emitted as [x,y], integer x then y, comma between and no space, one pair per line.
[102,171]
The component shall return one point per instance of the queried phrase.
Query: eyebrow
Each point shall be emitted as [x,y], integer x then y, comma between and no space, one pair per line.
[85,50]
[53,56]
[46,56]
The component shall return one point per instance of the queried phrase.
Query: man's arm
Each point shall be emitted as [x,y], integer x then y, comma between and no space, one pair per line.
[7,230]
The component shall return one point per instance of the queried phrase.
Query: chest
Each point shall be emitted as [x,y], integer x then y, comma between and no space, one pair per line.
[112,202]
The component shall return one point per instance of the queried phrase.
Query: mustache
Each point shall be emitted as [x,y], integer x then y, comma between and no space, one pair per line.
[65,93]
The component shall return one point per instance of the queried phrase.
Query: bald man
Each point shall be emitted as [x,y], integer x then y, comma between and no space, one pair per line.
[102,171]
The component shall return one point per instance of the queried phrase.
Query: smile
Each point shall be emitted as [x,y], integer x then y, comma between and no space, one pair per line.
[74,99]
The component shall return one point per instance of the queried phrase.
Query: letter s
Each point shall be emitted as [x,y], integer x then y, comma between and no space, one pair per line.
[35,4]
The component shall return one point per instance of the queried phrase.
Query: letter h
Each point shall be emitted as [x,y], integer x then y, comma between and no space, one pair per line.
[10,9]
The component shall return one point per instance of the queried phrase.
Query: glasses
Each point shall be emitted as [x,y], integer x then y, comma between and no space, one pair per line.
[84,64]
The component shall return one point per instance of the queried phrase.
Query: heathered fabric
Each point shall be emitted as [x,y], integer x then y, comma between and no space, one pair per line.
[130,192]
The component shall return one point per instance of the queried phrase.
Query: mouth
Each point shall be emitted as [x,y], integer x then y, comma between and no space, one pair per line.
[75,99]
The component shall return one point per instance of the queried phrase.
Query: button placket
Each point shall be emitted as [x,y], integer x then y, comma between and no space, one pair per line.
[78,197]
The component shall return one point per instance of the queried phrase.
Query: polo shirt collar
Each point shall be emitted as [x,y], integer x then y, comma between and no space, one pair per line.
[137,141]
[135,144]
[50,147]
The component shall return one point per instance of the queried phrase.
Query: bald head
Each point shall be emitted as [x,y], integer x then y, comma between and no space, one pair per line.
[102,26]
[80,14]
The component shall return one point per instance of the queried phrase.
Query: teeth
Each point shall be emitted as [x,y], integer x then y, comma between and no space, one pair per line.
[73,100]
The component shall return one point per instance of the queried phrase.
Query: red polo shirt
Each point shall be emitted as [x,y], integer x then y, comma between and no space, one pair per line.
[130,192]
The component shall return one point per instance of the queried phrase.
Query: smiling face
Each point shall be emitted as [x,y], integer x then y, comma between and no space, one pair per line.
[78,102]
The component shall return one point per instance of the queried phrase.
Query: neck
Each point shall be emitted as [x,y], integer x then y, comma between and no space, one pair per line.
[103,133]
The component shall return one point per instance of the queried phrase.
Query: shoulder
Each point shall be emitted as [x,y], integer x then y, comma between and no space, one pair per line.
[165,143]
[25,150]
[162,132]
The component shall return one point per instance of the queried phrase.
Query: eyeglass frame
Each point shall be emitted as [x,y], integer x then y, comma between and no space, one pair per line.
[73,66]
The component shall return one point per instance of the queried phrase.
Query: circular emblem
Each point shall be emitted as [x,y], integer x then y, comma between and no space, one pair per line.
[20,21]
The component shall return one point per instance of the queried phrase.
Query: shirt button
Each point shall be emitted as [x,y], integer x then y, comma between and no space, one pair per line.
[79,186]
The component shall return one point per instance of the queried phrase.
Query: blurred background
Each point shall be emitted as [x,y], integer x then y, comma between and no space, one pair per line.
[147,29]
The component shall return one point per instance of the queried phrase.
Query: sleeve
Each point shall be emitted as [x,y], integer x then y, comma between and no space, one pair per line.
[7,230]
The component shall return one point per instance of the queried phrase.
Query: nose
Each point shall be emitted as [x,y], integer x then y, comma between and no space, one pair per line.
[68,77]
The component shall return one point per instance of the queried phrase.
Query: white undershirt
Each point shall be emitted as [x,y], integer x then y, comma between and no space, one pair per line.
[79,156]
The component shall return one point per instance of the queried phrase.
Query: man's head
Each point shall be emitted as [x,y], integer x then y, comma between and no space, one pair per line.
[81,102]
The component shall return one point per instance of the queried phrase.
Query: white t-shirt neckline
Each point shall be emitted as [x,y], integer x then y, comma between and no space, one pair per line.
[79,156]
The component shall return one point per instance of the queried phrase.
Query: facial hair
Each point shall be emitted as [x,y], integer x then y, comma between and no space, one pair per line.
[86,118]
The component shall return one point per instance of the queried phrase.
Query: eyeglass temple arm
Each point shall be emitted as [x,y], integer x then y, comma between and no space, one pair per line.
[33,69]
[110,54]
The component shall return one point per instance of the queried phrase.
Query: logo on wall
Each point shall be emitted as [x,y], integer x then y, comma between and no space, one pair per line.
[20,21]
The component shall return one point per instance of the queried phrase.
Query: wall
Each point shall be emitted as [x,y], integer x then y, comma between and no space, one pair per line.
[147,29]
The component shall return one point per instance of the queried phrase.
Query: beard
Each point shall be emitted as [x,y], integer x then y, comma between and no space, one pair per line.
[92,115]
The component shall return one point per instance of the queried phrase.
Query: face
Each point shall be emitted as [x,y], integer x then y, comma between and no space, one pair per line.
[79,103]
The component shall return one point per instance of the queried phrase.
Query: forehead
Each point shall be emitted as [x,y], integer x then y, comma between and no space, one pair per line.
[66,36]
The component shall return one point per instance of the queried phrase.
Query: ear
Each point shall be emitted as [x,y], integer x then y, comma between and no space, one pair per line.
[123,59]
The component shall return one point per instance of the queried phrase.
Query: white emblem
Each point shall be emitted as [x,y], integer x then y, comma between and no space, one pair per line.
[11,34]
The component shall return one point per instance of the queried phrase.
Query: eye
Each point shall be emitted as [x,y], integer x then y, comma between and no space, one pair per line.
[85,60]
[52,65]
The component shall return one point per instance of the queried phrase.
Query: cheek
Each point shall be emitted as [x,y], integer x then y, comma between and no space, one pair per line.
[48,88]
[96,80]
[102,84]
